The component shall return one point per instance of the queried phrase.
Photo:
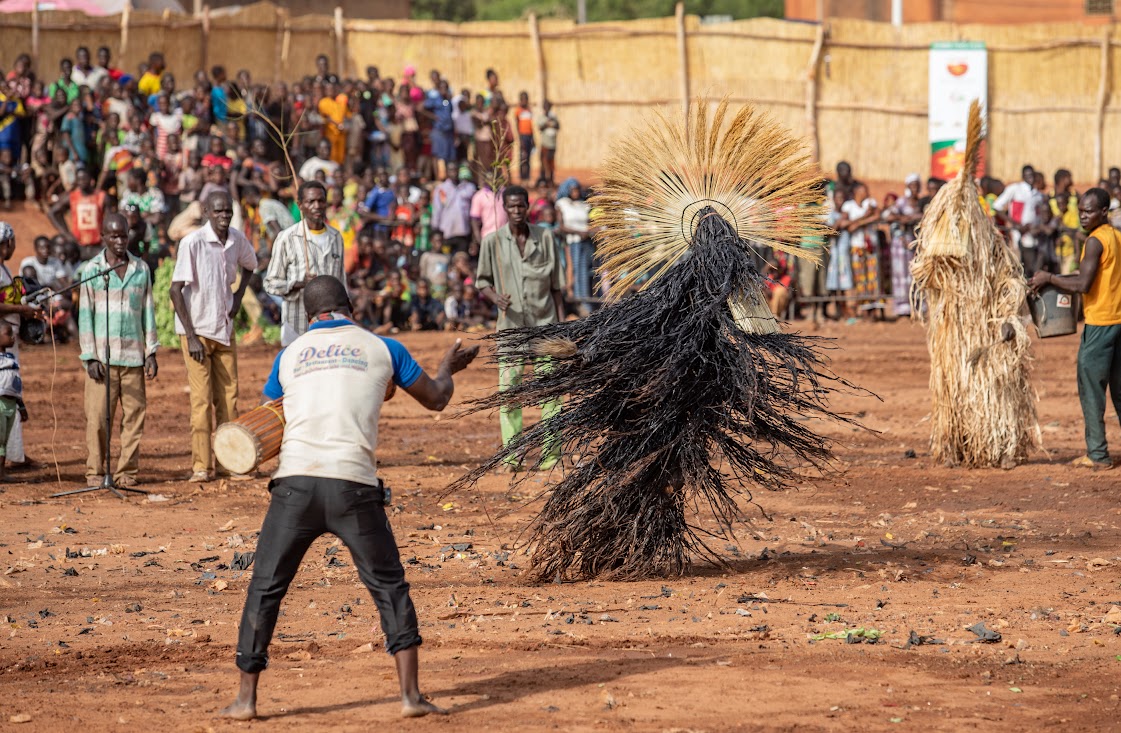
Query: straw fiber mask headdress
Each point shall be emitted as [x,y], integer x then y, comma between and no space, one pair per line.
[668,173]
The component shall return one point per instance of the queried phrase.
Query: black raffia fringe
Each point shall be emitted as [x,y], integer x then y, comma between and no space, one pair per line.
[667,404]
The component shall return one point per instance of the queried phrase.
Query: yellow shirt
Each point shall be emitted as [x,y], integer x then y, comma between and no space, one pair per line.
[1102,305]
[1064,243]
[149,84]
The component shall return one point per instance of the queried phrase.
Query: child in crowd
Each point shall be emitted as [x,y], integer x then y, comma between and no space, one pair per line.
[9,176]
[426,310]
[433,266]
[454,312]
[11,392]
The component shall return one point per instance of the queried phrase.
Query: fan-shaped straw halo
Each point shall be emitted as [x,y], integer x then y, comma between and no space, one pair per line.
[748,168]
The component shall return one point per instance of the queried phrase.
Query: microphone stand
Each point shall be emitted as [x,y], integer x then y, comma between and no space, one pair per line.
[107,482]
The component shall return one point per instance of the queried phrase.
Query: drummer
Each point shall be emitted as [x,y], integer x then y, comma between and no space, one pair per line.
[333,380]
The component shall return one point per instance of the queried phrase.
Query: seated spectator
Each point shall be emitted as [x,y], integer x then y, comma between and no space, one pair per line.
[433,266]
[397,302]
[46,270]
[455,310]
[68,253]
[372,274]
[461,271]
[362,260]
[481,314]
[426,310]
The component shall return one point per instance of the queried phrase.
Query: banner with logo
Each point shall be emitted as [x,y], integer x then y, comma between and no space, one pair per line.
[959,73]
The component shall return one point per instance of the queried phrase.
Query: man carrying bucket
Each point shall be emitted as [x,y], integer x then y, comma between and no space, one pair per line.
[1099,280]
[333,380]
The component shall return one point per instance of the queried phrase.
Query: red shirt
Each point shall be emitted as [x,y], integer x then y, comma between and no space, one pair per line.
[404,233]
[210,160]
[524,116]
[86,212]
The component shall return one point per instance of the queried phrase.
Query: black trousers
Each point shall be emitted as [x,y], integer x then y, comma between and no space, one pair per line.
[302,509]
[525,155]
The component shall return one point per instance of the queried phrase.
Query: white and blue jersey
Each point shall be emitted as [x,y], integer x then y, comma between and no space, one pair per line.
[333,380]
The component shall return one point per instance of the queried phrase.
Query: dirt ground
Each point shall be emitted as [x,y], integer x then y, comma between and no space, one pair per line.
[122,615]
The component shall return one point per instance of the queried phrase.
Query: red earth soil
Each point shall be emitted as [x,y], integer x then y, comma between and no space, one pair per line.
[142,636]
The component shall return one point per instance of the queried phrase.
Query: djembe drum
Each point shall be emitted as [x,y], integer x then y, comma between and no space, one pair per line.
[245,443]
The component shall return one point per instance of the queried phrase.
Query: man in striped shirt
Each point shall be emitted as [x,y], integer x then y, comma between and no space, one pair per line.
[309,248]
[131,331]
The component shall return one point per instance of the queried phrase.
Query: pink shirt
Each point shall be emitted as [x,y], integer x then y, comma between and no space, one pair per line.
[486,206]
[209,270]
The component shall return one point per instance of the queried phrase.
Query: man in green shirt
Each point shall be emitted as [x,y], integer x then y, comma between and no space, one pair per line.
[132,337]
[521,272]
[64,82]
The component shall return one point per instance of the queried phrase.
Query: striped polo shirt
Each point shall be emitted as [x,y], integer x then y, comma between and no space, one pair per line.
[131,308]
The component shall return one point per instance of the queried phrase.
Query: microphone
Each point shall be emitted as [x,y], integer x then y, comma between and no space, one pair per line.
[38,297]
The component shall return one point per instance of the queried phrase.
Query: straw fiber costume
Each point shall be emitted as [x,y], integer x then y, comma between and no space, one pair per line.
[683,389]
[969,290]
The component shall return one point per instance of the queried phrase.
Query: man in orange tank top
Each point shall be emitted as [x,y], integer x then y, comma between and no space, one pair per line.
[86,208]
[1099,354]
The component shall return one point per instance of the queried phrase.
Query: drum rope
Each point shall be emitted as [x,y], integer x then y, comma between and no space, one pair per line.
[272,407]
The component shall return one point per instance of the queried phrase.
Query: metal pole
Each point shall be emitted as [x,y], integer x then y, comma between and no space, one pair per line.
[897,13]
[581,11]
[107,479]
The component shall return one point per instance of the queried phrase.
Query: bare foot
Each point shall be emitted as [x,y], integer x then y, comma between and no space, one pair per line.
[240,710]
[419,708]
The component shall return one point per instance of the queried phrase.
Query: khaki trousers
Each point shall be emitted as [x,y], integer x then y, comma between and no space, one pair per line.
[126,386]
[213,386]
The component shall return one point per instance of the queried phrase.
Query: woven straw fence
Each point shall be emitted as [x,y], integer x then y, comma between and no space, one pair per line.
[857,90]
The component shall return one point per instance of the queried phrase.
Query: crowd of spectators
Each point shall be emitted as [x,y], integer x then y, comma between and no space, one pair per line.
[413,172]
[411,169]
[868,257]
